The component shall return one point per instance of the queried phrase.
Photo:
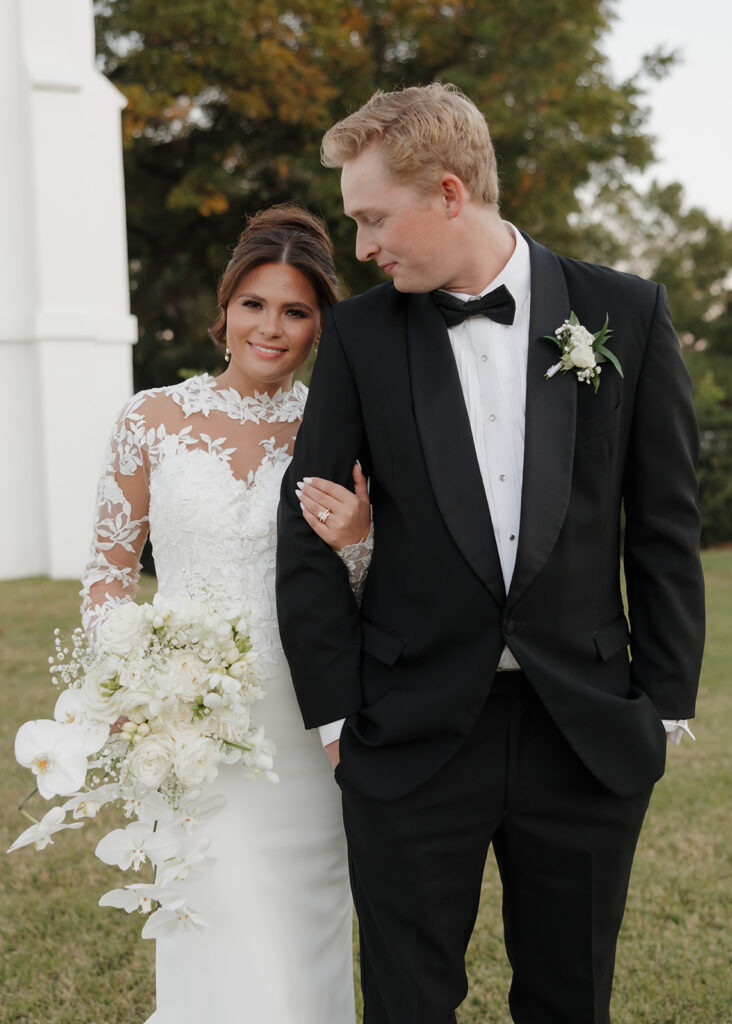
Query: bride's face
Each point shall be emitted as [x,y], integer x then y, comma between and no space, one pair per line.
[272,320]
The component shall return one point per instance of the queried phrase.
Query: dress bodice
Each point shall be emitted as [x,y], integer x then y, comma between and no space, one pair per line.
[201,466]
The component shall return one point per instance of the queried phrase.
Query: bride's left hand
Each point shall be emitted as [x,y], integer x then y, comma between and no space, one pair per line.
[348,518]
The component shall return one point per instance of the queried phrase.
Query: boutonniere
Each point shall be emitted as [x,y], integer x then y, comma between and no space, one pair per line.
[582,351]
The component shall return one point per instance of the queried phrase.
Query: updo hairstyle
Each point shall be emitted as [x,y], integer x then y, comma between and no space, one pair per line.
[285,233]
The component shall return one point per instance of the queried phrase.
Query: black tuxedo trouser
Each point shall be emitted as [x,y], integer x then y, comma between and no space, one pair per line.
[564,846]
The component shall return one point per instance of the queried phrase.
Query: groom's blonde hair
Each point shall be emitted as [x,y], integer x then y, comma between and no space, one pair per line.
[421,132]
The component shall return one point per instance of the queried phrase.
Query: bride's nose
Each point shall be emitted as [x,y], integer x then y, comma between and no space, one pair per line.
[269,325]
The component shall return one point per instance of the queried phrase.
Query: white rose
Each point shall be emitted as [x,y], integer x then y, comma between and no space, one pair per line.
[582,356]
[150,759]
[94,688]
[122,628]
[196,762]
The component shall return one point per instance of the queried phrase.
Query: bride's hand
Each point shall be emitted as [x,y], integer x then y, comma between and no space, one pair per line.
[339,516]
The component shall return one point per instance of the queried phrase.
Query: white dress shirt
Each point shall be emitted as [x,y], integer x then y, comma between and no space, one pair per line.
[491,360]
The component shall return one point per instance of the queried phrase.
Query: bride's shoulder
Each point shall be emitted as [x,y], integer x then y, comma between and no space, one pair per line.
[152,404]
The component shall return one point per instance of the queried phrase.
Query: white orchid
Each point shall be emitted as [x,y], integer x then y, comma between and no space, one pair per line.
[40,833]
[55,753]
[72,709]
[131,847]
[168,921]
[195,864]
[140,896]
[87,804]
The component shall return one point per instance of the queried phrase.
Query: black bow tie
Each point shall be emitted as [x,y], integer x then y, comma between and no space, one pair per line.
[498,305]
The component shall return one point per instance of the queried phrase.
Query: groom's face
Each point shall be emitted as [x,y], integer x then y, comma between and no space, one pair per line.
[403,231]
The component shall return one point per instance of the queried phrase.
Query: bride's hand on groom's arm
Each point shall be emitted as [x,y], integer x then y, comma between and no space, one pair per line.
[339,516]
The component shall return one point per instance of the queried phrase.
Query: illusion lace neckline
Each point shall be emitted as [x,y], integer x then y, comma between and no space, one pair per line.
[201,394]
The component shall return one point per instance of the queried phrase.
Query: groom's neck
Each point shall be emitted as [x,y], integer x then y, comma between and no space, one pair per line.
[483,245]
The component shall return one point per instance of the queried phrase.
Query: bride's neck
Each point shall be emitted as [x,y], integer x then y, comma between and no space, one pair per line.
[245,385]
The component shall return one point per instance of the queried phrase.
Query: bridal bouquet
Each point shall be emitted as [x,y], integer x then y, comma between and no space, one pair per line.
[150,710]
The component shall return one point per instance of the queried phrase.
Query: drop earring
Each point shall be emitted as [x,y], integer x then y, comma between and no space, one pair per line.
[227,355]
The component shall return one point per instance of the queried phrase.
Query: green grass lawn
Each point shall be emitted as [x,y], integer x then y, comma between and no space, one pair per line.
[63,960]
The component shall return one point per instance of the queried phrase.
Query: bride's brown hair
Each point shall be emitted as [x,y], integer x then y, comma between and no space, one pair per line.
[286,233]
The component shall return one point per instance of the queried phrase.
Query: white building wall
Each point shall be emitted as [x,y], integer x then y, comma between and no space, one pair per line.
[65,328]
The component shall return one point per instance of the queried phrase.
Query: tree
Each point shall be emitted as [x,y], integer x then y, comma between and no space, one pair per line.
[228,99]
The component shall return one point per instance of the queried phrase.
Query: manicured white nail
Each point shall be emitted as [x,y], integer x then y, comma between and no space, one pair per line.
[307,479]
[298,493]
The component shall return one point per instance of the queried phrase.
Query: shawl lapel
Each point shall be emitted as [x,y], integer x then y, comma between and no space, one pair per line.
[551,408]
[447,442]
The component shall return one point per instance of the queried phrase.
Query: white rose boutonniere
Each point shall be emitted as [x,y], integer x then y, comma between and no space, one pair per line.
[582,351]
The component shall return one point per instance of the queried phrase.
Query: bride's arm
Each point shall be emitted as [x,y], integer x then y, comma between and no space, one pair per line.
[121,519]
[342,518]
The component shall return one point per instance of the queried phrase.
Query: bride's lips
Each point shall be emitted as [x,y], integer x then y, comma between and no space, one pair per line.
[267,351]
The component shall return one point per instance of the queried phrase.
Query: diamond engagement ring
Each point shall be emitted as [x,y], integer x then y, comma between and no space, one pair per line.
[324,513]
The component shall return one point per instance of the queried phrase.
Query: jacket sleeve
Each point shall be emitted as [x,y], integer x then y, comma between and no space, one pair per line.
[663,571]
[318,614]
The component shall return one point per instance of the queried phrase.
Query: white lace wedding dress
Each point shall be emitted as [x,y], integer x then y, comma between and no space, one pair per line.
[203,467]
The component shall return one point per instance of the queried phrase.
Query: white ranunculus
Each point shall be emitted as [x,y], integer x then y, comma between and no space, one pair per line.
[149,760]
[582,356]
[185,675]
[196,762]
[55,753]
[122,629]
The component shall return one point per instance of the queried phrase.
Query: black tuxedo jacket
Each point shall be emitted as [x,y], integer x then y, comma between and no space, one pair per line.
[411,669]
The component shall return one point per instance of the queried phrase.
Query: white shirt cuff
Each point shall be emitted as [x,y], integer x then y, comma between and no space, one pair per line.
[675,729]
[331,732]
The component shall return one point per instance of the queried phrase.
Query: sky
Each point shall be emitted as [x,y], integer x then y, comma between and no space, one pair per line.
[691,106]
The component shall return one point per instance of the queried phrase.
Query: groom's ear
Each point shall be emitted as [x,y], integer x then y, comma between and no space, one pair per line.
[453,194]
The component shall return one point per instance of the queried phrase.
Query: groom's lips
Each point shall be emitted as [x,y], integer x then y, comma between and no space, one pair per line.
[388,267]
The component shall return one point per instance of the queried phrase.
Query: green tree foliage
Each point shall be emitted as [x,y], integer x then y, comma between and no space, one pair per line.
[228,101]
[655,235]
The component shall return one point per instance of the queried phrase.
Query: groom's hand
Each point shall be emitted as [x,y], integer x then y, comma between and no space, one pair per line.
[333,750]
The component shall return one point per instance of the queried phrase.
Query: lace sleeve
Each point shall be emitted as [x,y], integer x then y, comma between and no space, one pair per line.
[120,524]
[357,559]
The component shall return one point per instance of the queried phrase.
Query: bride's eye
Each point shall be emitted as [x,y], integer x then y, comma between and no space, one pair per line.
[251,304]
[299,314]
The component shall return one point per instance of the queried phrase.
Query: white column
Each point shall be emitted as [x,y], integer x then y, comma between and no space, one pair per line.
[65,328]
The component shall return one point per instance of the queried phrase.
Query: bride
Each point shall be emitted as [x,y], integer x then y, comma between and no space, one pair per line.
[200,464]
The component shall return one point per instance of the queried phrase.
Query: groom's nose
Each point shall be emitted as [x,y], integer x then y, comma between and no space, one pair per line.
[366,247]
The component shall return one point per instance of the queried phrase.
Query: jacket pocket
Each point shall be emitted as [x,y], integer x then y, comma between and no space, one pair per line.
[611,638]
[381,643]
[598,426]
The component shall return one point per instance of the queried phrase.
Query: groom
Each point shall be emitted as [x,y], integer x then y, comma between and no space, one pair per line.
[485,681]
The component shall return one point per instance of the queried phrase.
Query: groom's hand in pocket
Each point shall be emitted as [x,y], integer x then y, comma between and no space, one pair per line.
[333,750]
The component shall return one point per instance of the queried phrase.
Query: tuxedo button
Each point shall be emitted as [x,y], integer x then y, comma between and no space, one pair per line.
[492,417]
[484,359]
[509,627]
